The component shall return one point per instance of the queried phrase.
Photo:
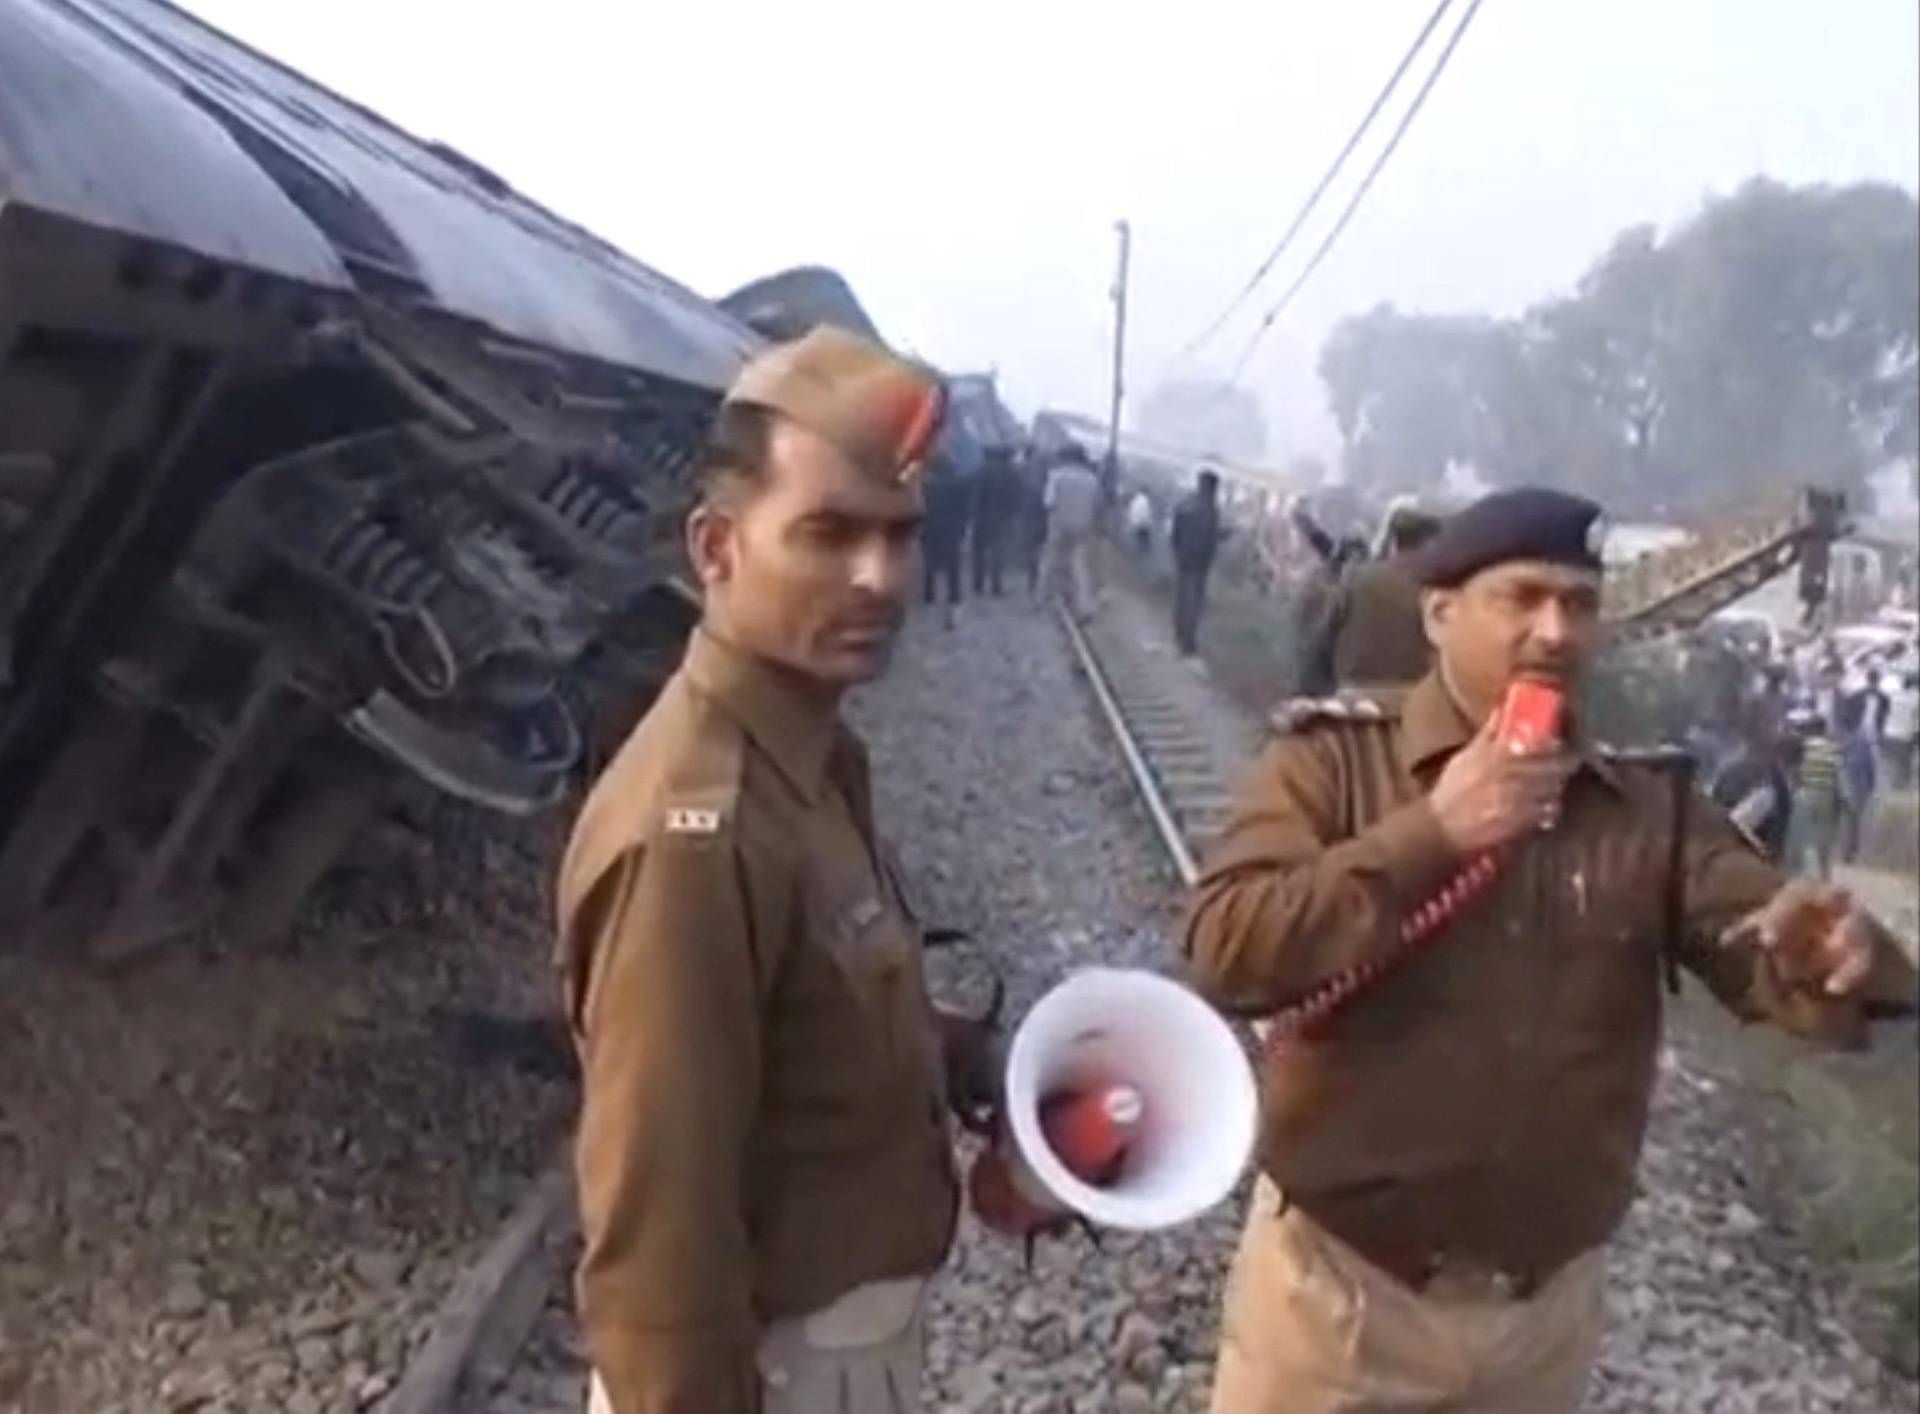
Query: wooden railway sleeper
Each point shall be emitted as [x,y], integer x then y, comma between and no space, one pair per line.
[147,910]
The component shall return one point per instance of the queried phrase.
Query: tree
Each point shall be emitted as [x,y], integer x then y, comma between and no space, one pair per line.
[1770,340]
[1408,394]
[1206,415]
[1793,354]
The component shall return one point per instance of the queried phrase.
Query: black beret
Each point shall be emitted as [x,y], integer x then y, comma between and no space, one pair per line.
[1527,523]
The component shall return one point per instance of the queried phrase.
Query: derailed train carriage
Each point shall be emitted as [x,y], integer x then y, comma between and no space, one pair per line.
[326,460]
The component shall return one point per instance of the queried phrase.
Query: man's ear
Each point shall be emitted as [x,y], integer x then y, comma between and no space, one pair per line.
[710,547]
[1437,607]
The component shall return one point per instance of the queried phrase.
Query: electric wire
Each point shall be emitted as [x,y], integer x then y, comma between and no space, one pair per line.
[1326,180]
[1359,194]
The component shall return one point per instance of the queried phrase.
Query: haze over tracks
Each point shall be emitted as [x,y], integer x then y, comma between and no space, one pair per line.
[1013,820]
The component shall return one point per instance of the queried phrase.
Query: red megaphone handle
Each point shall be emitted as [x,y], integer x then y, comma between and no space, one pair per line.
[1529,715]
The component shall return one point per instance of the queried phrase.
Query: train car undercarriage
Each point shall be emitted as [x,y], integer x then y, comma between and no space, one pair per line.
[301,499]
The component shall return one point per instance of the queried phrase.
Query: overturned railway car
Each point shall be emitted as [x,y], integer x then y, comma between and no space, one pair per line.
[327,462]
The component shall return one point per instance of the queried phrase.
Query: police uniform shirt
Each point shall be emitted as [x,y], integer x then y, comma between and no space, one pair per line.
[1487,1097]
[763,1120]
[1379,637]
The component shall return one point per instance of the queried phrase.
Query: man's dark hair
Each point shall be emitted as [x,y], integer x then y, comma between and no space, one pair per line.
[1210,480]
[734,459]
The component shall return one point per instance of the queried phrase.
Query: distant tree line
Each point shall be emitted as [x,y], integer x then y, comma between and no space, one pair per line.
[1772,339]
[1205,415]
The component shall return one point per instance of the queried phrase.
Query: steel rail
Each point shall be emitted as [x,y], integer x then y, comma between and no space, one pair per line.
[1159,812]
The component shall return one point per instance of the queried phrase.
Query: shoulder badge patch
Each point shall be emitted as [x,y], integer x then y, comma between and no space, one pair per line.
[1298,713]
[691,820]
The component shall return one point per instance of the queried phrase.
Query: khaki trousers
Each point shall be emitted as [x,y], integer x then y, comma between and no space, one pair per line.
[861,1355]
[1311,1327]
[1068,569]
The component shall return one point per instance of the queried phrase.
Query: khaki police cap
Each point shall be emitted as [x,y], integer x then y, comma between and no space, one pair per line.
[880,411]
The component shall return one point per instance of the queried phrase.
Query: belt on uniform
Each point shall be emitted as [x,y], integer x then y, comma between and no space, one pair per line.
[1430,1271]
[868,1315]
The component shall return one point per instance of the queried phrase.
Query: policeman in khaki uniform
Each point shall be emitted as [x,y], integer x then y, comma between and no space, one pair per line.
[764,1171]
[1445,1154]
[1369,633]
[1377,633]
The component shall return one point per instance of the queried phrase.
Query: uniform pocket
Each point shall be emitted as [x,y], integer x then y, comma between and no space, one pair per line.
[1611,976]
[1291,1318]
[872,950]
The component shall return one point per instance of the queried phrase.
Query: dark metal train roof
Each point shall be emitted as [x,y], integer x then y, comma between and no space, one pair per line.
[89,134]
[788,303]
[163,88]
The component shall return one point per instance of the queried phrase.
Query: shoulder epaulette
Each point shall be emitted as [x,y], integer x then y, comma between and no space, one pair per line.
[700,796]
[692,820]
[1297,714]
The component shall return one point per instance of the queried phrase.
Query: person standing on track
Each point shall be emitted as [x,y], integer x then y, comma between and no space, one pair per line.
[1195,539]
[1140,525]
[1030,524]
[764,1172]
[1446,1153]
[1072,503]
[944,531]
[996,505]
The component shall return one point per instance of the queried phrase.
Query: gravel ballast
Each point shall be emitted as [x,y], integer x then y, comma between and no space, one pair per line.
[261,1216]
[239,1183]
[1013,820]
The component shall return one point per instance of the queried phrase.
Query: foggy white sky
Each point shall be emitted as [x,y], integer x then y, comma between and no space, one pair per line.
[963,165]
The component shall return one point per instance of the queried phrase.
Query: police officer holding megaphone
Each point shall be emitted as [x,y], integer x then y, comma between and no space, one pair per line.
[1455,909]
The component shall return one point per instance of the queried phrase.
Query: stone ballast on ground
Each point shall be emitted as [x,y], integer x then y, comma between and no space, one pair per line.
[290,1255]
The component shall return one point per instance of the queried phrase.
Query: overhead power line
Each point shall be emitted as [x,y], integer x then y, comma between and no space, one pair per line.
[1360,192]
[1326,179]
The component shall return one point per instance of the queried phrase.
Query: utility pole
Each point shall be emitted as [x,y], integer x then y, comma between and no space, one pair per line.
[1110,474]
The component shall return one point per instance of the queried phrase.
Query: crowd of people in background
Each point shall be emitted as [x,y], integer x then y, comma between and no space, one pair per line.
[1809,745]
[1043,515]
[1797,746]
[978,527]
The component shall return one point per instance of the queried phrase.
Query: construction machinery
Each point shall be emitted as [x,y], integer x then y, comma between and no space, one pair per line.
[327,461]
[1679,587]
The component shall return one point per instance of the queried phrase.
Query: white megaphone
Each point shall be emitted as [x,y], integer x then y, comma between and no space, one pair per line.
[1132,1074]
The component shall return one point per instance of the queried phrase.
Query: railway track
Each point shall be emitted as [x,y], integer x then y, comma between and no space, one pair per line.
[508,1341]
[1172,764]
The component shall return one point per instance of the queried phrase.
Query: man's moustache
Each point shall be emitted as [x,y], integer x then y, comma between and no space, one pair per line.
[1548,667]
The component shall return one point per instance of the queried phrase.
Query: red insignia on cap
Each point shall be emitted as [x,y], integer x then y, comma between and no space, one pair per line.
[924,416]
